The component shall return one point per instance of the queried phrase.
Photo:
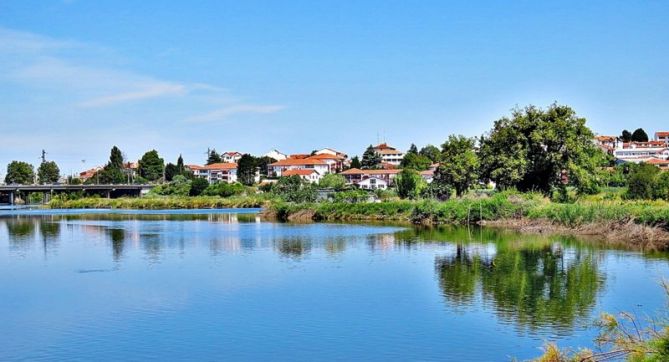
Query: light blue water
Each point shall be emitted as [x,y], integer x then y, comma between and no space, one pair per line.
[203,285]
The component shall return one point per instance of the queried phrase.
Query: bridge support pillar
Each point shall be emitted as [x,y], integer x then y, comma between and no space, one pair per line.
[108,194]
[11,198]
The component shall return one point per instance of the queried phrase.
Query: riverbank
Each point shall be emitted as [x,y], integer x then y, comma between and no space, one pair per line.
[157,203]
[640,224]
[634,223]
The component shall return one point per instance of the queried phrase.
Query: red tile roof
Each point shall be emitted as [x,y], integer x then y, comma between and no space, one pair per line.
[298,172]
[356,171]
[325,156]
[298,162]
[221,166]
[657,161]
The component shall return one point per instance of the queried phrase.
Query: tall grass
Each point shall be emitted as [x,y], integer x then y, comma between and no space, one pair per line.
[154,203]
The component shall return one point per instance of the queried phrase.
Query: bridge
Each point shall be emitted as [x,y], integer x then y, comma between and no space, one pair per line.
[8,193]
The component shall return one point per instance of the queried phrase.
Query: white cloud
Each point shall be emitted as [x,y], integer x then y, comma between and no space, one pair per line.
[222,114]
[150,91]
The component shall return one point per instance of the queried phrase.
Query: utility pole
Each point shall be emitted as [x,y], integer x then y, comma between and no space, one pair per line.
[43,156]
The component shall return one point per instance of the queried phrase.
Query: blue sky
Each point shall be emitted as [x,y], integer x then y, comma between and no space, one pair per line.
[77,77]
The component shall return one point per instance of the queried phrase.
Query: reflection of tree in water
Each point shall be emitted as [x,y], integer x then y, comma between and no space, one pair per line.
[117,238]
[20,229]
[293,247]
[49,230]
[532,287]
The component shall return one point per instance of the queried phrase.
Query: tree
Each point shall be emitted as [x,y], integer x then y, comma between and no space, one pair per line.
[409,184]
[262,163]
[151,166]
[626,136]
[213,157]
[460,164]
[332,181]
[48,172]
[181,169]
[246,169]
[112,173]
[171,170]
[431,152]
[197,186]
[415,161]
[641,182]
[413,149]
[355,162]
[294,189]
[534,149]
[639,135]
[19,172]
[370,159]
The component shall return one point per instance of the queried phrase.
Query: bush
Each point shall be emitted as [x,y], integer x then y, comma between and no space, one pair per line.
[197,186]
[642,181]
[224,189]
[333,181]
[180,186]
[352,196]
[294,189]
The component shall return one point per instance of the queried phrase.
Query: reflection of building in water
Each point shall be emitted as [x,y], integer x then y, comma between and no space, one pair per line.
[530,285]
[381,241]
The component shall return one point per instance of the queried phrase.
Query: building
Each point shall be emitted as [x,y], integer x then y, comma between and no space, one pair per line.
[306,174]
[277,169]
[335,163]
[85,175]
[606,143]
[354,176]
[372,183]
[662,136]
[230,157]
[216,172]
[638,152]
[330,151]
[389,154]
[276,155]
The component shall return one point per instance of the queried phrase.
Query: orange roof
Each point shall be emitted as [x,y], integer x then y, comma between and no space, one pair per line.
[195,167]
[662,133]
[298,172]
[299,156]
[297,162]
[427,173]
[605,138]
[657,161]
[221,166]
[383,146]
[325,156]
[357,171]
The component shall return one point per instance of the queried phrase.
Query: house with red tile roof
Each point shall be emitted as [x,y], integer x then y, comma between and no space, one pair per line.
[389,154]
[355,175]
[305,174]
[279,168]
[230,156]
[216,172]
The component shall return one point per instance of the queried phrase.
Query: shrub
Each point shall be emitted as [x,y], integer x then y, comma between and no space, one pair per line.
[197,186]
[642,181]
[224,189]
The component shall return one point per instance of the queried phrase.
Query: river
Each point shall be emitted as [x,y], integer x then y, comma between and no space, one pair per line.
[225,285]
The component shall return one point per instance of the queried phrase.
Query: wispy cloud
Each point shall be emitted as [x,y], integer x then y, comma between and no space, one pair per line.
[76,70]
[223,114]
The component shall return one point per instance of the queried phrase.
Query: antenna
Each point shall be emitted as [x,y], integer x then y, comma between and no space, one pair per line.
[43,156]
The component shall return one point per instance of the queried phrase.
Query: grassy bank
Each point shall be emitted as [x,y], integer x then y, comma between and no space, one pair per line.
[642,223]
[155,203]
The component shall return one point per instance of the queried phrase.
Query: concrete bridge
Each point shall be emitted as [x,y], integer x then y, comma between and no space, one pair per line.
[8,193]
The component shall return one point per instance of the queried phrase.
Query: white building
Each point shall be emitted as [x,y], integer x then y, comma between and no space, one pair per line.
[638,152]
[305,174]
[372,183]
[216,172]
[231,157]
[278,168]
[276,155]
[389,154]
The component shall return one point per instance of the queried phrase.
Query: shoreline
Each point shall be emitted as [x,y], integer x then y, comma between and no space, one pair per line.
[635,224]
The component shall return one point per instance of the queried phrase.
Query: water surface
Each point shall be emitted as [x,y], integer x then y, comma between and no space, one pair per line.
[223,285]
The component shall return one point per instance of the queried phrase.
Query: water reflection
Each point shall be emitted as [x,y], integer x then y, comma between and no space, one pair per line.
[530,284]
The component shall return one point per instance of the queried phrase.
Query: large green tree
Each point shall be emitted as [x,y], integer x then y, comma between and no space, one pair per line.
[626,136]
[333,181]
[262,163]
[370,159]
[246,169]
[171,171]
[639,135]
[535,148]
[415,161]
[355,162]
[19,172]
[213,157]
[642,182]
[409,184]
[48,172]
[431,152]
[112,173]
[151,166]
[459,164]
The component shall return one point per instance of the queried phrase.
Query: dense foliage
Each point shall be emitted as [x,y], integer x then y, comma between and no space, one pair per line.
[19,172]
[370,159]
[246,169]
[539,150]
[459,170]
[151,166]
[48,172]
[409,184]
